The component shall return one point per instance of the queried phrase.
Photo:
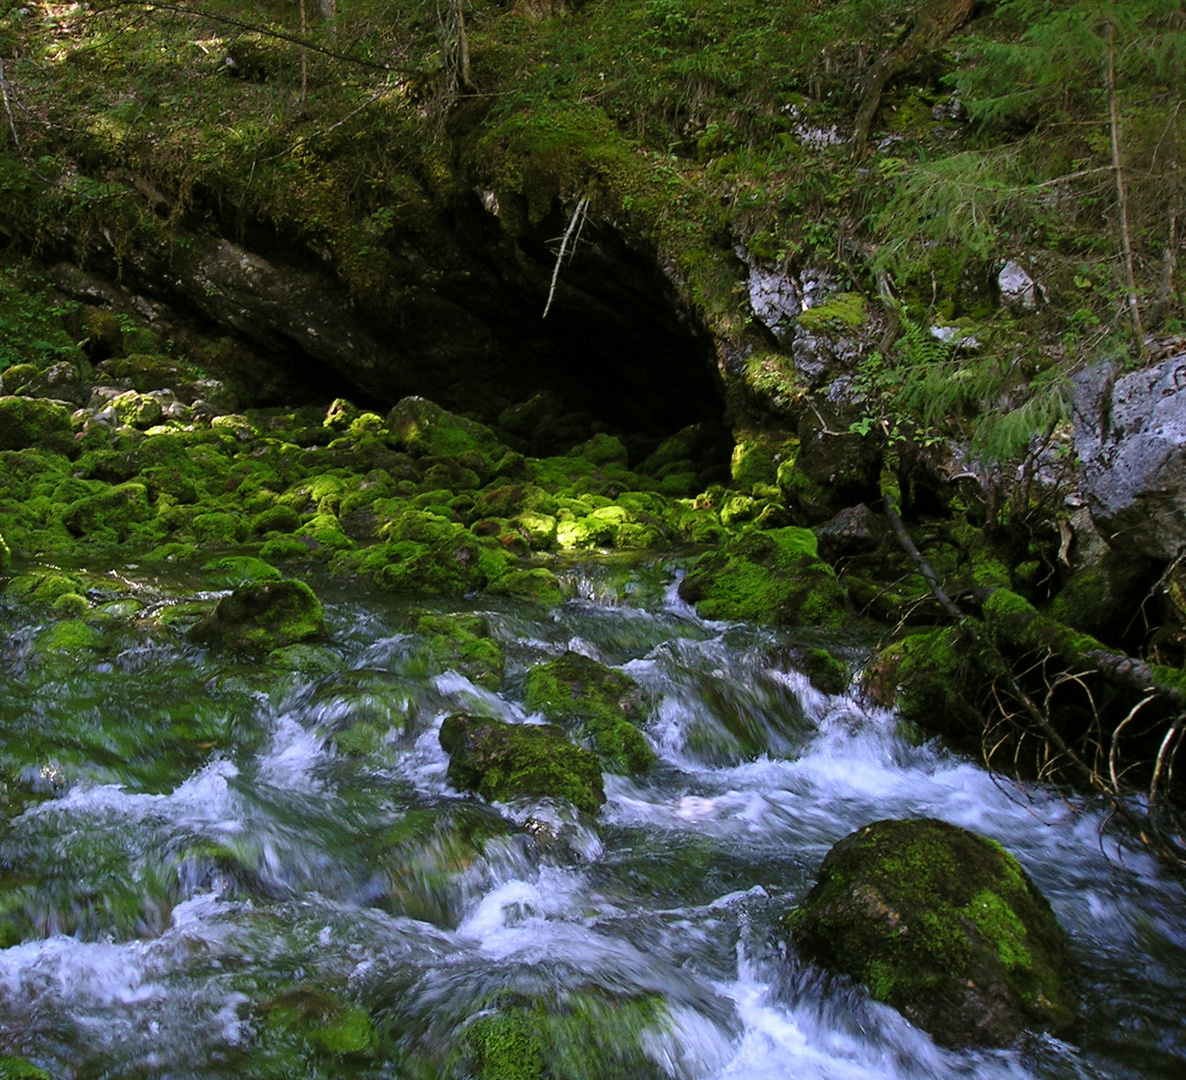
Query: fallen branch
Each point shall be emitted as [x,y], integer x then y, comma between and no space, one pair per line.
[1012,625]
[575,223]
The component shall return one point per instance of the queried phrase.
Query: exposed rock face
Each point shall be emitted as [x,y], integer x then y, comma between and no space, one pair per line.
[942,924]
[508,761]
[1130,435]
[458,320]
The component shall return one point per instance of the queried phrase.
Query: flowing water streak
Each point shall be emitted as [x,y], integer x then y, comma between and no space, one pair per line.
[163,922]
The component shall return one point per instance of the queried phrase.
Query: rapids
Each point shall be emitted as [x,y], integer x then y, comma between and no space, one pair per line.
[211,868]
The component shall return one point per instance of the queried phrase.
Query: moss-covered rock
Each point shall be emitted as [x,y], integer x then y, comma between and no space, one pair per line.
[261,616]
[757,456]
[35,422]
[942,924]
[509,761]
[825,671]
[605,706]
[15,1068]
[236,570]
[112,514]
[424,428]
[925,676]
[462,643]
[322,1020]
[772,575]
[537,585]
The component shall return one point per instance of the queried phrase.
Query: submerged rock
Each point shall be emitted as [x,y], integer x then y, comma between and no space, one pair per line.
[943,925]
[508,761]
[606,705]
[261,616]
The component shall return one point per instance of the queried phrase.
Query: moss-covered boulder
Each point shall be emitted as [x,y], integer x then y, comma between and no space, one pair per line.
[537,585]
[35,422]
[261,616]
[942,924]
[235,570]
[111,514]
[424,428]
[603,705]
[509,761]
[768,575]
[462,643]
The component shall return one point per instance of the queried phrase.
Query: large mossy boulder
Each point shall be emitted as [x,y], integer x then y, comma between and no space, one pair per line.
[605,705]
[423,428]
[768,575]
[510,761]
[35,422]
[942,924]
[262,615]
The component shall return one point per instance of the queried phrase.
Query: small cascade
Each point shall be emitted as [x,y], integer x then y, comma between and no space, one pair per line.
[215,868]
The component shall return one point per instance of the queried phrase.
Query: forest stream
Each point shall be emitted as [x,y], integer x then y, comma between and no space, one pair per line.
[222,868]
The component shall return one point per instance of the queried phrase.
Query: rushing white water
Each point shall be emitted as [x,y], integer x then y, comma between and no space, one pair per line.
[169,919]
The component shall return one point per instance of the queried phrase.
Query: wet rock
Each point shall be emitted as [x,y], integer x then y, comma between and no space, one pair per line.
[771,575]
[509,761]
[261,616]
[943,925]
[602,705]
[1130,435]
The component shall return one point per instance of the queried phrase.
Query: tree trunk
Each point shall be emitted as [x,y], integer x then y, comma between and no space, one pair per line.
[934,24]
[1130,279]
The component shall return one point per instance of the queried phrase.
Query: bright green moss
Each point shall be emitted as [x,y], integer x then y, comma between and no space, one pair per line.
[770,575]
[235,570]
[606,706]
[506,1046]
[14,1068]
[537,585]
[842,313]
[70,635]
[462,643]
